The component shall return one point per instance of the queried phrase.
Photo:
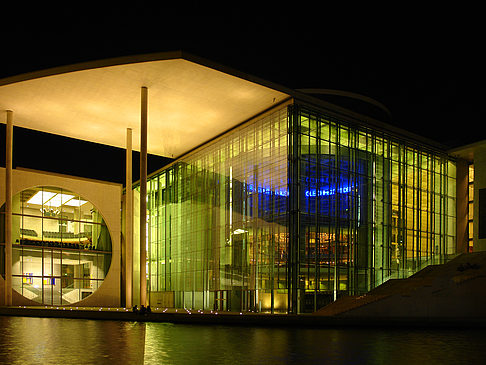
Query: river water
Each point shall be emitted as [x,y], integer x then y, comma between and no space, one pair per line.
[26,340]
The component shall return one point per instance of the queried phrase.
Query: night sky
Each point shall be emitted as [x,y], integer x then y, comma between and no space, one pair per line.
[424,64]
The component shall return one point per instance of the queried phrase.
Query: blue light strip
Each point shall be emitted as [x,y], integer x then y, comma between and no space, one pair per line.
[325,192]
[281,192]
[308,193]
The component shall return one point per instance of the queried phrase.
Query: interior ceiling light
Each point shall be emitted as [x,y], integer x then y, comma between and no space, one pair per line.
[55,199]
[40,197]
[59,199]
[75,202]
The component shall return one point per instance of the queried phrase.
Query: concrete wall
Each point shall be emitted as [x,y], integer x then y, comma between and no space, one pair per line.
[463,300]
[106,197]
[443,291]
[479,183]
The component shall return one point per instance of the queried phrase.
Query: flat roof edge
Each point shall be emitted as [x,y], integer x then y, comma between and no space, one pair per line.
[140,58]
[89,65]
[236,73]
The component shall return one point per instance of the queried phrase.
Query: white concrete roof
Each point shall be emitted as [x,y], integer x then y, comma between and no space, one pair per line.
[190,101]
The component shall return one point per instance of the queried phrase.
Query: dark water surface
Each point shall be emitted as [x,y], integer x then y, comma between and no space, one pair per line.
[26,340]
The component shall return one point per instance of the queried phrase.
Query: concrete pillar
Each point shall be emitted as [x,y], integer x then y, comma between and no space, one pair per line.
[128,223]
[479,184]
[462,174]
[8,208]
[143,195]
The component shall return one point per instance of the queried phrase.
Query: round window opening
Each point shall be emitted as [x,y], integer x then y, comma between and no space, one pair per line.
[61,246]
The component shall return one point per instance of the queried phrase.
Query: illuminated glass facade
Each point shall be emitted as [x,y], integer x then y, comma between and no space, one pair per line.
[218,221]
[61,246]
[294,209]
[364,207]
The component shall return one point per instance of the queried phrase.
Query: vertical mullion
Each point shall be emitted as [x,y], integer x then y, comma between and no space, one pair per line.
[317,211]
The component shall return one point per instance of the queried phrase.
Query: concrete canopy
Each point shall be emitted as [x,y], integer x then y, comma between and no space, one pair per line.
[190,100]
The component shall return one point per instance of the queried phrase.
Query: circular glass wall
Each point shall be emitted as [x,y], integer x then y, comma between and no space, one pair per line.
[61,247]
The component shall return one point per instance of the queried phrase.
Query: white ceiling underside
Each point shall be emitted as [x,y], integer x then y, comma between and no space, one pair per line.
[188,104]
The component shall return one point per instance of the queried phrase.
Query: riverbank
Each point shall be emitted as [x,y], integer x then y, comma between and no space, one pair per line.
[241,319]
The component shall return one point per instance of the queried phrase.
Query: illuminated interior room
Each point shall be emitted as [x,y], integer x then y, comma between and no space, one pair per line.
[62,248]
[276,200]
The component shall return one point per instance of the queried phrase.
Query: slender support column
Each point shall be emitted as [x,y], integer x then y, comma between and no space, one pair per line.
[462,199]
[143,196]
[8,209]
[128,223]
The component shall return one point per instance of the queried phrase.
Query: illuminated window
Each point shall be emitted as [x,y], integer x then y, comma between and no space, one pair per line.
[61,247]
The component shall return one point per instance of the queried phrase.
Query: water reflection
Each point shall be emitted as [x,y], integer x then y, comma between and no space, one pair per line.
[25,340]
[72,341]
[186,344]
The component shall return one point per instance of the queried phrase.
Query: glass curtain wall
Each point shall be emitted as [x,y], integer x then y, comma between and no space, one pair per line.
[368,208]
[61,247]
[217,223]
[293,210]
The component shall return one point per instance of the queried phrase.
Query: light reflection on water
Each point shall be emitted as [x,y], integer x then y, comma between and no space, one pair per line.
[25,340]
[186,344]
[74,341]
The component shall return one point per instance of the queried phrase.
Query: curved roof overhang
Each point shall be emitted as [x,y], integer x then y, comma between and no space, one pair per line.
[190,100]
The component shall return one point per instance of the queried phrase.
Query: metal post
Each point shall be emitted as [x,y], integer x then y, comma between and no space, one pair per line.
[128,223]
[8,209]
[143,196]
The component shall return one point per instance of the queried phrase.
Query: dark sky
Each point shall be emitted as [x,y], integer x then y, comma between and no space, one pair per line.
[424,64]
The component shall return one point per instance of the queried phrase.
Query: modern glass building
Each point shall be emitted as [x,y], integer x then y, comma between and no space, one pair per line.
[275,200]
[293,209]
